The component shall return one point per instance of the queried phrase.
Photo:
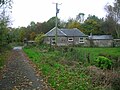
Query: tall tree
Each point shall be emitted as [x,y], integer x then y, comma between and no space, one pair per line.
[92,25]
[22,33]
[32,25]
[5,6]
[32,36]
[108,27]
[72,23]
[80,17]
[114,13]
[51,22]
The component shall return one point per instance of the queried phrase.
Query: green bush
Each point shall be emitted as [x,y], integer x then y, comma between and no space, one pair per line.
[103,62]
[39,38]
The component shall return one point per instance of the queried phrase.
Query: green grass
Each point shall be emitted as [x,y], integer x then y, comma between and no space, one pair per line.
[95,52]
[66,69]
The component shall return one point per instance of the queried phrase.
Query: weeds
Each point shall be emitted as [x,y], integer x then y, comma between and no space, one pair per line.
[67,68]
[3,58]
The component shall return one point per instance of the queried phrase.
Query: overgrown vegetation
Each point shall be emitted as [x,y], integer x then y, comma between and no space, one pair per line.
[3,57]
[39,38]
[73,68]
[5,6]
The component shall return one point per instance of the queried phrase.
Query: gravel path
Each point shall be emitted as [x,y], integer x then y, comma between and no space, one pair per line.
[20,74]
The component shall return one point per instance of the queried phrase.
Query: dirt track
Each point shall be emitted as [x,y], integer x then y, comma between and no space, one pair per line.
[19,74]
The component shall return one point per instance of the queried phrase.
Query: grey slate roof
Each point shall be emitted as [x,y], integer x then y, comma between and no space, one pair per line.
[101,37]
[73,32]
[65,32]
[52,32]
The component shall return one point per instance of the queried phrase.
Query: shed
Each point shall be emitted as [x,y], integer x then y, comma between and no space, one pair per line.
[101,40]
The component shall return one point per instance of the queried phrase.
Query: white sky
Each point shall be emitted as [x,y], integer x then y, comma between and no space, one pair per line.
[25,11]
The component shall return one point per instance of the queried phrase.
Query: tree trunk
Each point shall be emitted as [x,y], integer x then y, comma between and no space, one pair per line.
[117,30]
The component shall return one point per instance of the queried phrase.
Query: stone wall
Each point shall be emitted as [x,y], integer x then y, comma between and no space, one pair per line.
[63,41]
[101,43]
[117,42]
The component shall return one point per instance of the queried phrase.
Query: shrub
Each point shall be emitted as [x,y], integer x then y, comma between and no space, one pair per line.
[103,62]
[39,38]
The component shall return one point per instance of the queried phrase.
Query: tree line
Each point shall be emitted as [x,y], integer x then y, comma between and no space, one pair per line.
[92,24]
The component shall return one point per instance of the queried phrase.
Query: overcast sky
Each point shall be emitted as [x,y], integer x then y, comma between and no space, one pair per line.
[25,11]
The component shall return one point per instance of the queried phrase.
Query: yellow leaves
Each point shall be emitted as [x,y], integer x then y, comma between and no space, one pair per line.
[74,24]
[32,35]
[39,38]
[91,21]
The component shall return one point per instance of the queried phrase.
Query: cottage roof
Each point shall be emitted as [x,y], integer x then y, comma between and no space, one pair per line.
[101,37]
[65,32]
[73,32]
[52,32]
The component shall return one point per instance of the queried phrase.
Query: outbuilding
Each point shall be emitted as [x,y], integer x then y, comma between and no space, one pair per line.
[101,40]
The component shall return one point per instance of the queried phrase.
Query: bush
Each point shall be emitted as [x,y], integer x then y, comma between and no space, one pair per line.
[103,62]
[39,38]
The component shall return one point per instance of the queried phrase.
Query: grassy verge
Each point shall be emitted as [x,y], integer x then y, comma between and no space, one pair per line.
[67,68]
[3,57]
[4,54]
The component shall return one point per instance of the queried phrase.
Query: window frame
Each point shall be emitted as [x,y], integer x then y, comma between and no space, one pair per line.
[53,40]
[70,38]
[81,40]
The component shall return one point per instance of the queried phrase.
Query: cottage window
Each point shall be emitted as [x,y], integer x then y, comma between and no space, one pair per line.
[81,40]
[53,40]
[70,39]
